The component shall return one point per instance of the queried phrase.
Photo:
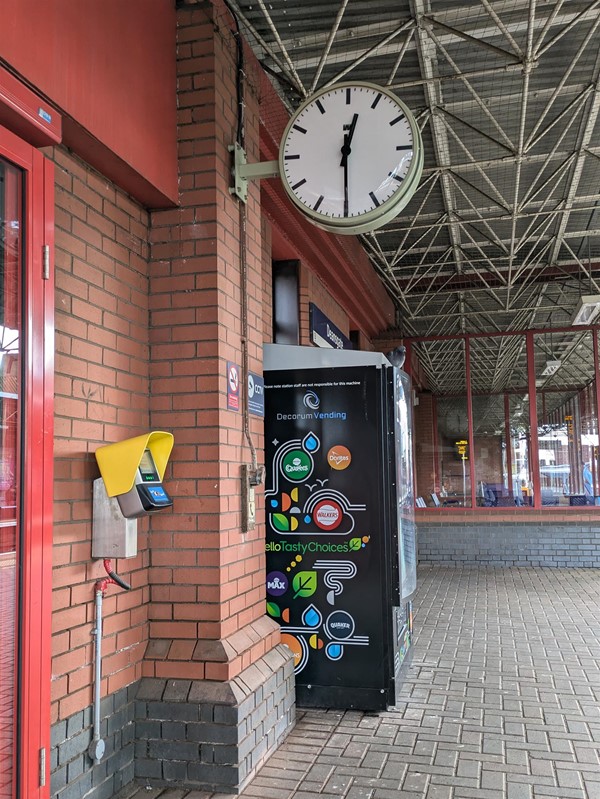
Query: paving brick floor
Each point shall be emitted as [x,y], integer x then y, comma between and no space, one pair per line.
[502,701]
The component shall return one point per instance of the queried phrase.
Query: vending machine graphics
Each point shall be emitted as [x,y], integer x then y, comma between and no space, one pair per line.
[340,531]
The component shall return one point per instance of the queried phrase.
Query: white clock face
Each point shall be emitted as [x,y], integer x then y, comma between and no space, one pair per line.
[349,155]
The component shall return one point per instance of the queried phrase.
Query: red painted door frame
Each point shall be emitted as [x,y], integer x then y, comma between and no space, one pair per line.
[36,418]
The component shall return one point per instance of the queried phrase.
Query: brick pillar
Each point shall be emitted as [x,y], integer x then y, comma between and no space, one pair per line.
[217,692]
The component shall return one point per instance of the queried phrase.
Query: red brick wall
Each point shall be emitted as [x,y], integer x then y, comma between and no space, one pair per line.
[207,577]
[101,396]
[148,314]
[267,282]
[312,290]
[141,348]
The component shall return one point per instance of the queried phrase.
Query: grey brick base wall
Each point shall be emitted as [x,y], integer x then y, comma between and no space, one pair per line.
[508,544]
[214,736]
[207,735]
[73,772]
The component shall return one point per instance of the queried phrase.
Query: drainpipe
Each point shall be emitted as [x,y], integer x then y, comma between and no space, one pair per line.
[97,747]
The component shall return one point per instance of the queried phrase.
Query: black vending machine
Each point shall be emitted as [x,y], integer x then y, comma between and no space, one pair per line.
[340,545]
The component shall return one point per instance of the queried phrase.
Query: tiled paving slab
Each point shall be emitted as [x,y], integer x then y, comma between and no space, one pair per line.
[502,701]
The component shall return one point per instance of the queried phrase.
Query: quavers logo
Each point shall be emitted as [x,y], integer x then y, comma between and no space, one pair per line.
[297,465]
[339,457]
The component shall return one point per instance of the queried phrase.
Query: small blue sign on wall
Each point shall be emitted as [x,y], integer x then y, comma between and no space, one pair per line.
[324,333]
[256,394]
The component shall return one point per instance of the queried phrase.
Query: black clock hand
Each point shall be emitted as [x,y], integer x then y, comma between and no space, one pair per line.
[348,141]
[344,164]
[346,150]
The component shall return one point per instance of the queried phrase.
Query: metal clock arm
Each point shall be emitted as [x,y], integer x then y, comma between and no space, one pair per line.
[243,172]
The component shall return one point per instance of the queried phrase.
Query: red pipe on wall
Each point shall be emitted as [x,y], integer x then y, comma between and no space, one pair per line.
[112,579]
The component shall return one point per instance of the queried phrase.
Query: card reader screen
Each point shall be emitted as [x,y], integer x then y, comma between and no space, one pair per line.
[147,468]
[158,495]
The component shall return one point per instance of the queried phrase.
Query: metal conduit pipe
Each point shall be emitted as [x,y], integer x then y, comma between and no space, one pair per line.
[97,746]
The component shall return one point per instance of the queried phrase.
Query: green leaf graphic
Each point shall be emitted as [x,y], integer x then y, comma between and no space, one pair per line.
[304,584]
[355,544]
[280,522]
[273,610]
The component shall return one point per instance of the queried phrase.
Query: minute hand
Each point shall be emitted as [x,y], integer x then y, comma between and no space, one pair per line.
[346,150]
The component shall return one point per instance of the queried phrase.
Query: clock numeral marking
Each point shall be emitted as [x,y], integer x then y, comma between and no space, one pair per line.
[376,100]
[290,157]
[396,177]
[299,129]
[320,106]
[374,198]
[404,147]
[300,183]
[318,203]
[348,95]
[398,119]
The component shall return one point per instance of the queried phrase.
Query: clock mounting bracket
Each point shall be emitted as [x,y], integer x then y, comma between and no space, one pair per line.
[242,171]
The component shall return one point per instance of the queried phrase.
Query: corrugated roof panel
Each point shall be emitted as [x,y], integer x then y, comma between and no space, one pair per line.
[512,196]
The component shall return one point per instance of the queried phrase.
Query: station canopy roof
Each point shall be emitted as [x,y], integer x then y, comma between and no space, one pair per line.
[503,233]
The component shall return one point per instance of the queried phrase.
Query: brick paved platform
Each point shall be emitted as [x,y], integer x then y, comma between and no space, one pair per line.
[502,701]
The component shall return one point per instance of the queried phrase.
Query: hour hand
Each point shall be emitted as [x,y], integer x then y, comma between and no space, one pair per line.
[346,150]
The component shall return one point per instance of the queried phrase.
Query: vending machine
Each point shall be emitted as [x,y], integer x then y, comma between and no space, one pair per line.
[340,544]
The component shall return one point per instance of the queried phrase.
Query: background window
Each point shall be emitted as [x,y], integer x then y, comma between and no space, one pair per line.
[442,446]
[567,418]
[500,403]
[477,398]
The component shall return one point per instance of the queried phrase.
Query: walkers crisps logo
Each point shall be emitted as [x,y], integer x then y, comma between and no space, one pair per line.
[328,514]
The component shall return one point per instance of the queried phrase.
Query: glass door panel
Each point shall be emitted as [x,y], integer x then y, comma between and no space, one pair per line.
[11,250]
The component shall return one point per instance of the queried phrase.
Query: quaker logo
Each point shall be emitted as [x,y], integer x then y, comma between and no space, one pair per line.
[277,583]
[311,400]
[339,625]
